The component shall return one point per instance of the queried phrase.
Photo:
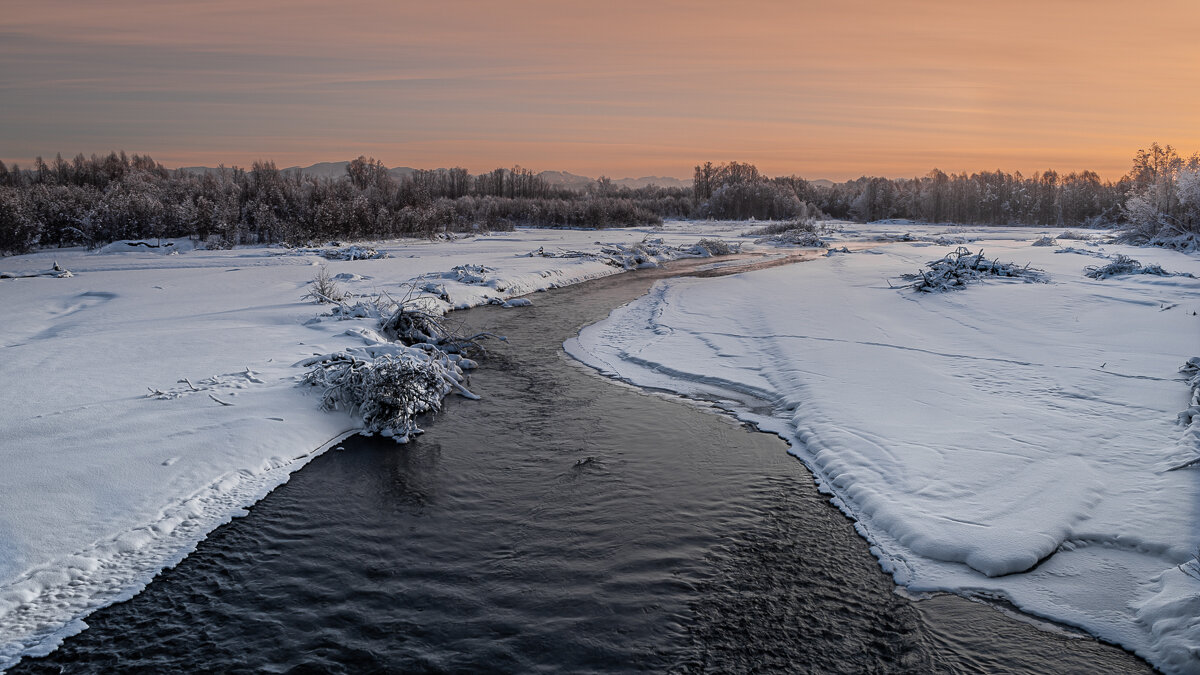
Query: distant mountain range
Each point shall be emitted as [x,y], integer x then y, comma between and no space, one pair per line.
[555,178]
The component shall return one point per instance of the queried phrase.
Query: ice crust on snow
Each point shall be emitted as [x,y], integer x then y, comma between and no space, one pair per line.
[152,396]
[1008,439]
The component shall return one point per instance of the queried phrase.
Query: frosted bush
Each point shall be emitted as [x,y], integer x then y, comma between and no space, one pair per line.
[324,288]
[387,392]
[713,247]
[1123,265]
[802,237]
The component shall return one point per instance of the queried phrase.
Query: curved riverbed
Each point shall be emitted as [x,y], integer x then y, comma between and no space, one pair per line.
[562,523]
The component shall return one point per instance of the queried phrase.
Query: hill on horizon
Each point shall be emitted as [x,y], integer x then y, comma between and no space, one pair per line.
[556,178]
[565,179]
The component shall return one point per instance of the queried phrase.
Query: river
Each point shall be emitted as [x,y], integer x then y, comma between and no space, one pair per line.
[563,523]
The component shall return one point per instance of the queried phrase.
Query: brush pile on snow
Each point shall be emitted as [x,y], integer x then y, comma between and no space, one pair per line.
[1123,264]
[960,267]
[1045,241]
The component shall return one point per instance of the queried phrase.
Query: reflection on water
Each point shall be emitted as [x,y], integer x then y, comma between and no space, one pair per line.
[560,524]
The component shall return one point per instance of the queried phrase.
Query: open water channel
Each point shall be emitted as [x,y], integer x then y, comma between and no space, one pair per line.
[563,523]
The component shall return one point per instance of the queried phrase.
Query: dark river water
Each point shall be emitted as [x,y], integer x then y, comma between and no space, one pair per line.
[564,523]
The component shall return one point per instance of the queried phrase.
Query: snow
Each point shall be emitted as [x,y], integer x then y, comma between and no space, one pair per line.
[153,395]
[1006,439]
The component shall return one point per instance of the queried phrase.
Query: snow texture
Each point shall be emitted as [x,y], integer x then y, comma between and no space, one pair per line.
[155,394]
[1010,440]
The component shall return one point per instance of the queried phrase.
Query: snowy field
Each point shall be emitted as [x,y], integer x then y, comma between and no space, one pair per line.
[119,453]
[1006,440]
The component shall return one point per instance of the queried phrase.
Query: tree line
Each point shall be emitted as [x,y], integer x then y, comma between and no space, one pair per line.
[95,200]
[1160,196]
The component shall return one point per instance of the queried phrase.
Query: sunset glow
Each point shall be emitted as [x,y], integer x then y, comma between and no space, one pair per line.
[832,90]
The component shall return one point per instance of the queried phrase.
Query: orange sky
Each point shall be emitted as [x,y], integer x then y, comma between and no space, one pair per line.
[822,89]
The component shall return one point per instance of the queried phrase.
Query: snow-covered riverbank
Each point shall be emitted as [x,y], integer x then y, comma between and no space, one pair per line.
[972,434]
[118,454]
[1010,439]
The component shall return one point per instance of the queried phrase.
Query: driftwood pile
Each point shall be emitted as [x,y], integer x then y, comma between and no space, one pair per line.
[960,267]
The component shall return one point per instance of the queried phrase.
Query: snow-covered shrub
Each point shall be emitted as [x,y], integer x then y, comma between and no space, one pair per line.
[324,288]
[1045,241]
[706,248]
[959,267]
[1072,234]
[469,274]
[353,253]
[418,322]
[1187,243]
[388,392]
[945,240]
[804,238]
[650,252]
[1123,264]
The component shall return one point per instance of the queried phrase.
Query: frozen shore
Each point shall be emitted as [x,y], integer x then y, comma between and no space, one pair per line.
[152,395]
[1009,439]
